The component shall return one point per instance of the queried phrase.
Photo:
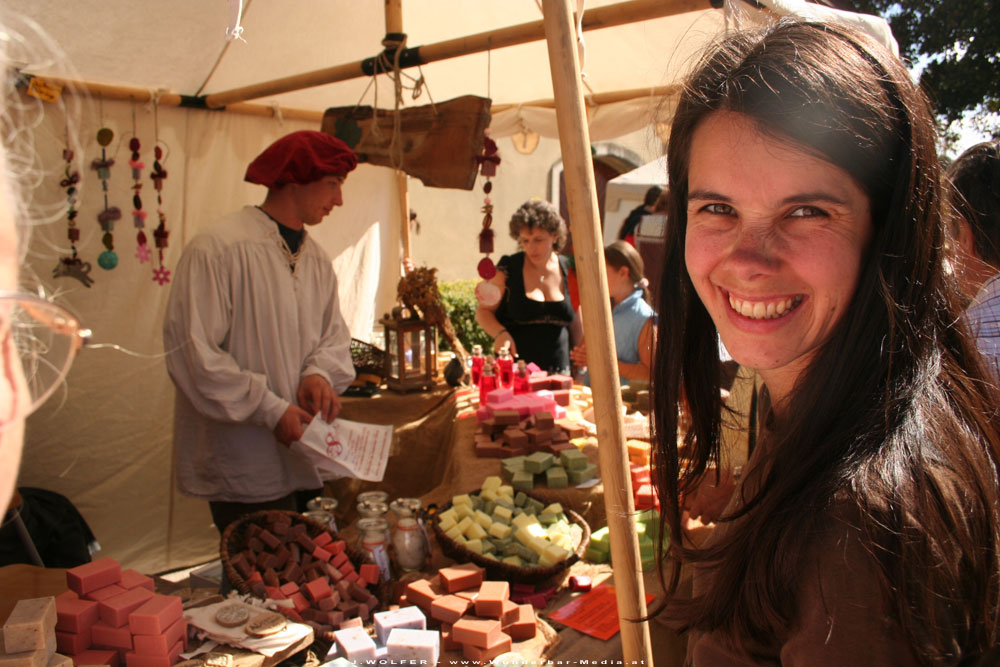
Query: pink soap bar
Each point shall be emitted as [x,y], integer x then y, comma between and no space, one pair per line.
[101,594]
[93,575]
[461,577]
[154,645]
[449,608]
[115,611]
[71,643]
[155,615]
[134,579]
[75,615]
[96,657]
[67,595]
[109,636]
[133,659]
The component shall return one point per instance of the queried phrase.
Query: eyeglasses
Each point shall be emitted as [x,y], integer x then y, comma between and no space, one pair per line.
[45,338]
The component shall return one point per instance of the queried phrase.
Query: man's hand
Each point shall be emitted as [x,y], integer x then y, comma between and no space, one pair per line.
[292,424]
[317,396]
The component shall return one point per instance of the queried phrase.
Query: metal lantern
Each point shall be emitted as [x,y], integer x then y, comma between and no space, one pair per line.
[410,352]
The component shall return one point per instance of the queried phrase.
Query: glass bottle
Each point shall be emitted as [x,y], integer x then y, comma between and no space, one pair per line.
[374,534]
[408,539]
[372,510]
[325,504]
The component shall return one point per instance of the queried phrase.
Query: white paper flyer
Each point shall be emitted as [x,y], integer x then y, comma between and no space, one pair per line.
[346,448]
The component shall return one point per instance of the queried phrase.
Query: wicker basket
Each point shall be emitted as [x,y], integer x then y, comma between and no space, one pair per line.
[505,571]
[234,541]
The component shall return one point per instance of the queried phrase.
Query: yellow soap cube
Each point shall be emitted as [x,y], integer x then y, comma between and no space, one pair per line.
[475,546]
[483,519]
[492,482]
[513,560]
[500,530]
[463,499]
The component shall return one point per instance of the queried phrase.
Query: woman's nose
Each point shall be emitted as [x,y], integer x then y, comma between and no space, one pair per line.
[753,252]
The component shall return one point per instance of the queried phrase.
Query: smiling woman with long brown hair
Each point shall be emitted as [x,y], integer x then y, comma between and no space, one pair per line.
[807,229]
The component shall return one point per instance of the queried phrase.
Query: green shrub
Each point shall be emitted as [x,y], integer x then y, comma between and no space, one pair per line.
[459,300]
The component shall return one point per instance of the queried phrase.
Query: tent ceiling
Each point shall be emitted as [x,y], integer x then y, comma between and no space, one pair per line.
[175,46]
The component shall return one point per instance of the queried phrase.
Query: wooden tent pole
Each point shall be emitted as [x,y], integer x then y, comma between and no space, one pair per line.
[599,17]
[581,195]
[393,16]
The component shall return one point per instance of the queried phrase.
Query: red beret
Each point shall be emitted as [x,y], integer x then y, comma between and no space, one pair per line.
[301,157]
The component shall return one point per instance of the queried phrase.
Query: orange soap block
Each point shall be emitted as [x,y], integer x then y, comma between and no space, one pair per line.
[155,615]
[96,656]
[478,632]
[133,659]
[93,575]
[509,615]
[524,626]
[71,643]
[423,593]
[492,595]
[134,579]
[449,608]
[108,636]
[115,611]
[448,643]
[484,655]
[461,577]
[160,644]
[101,594]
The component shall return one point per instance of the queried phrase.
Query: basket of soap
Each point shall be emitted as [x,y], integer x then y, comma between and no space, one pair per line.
[511,534]
[316,577]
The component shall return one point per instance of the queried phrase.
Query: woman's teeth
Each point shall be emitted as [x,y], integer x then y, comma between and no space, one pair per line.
[764,310]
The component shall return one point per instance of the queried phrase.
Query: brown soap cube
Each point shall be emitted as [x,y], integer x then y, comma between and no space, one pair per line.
[492,450]
[515,437]
[280,557]
[255,545]
[563,397]
[461,577]
[269,538]
[515,451]
[449,608]
[492,595]
[281,528]
[481,439]
[270,578]
[572,429]
[506,417]
[543,420]
[308,546]
[559,435]
[486,426]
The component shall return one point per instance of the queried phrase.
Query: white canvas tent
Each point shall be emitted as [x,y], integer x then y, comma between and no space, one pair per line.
[107,443]
[625,192]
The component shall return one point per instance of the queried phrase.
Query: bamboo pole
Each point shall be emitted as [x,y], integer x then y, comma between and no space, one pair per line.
[393,16]
[610,97]
[581,195]
[599,17]
[143,95]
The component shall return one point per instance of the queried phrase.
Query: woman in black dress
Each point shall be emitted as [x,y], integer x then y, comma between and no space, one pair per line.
[534,316]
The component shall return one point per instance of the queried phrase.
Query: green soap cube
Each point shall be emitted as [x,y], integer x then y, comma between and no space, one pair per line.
[546,519]
[538,462]
[513,462]
[509,548]
[595,556]
[489,506]
[477,502]
[534,507]
[520,499]
[524,481]
[507,474]
[555,477]
[573,459]
[503,503]
[488,547]
[599,540]
[583,475]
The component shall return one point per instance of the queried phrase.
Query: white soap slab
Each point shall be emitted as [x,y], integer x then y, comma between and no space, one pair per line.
[408,617]
[414,647]
[355,645]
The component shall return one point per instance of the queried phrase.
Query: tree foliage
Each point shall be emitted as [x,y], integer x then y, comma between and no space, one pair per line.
[955,45]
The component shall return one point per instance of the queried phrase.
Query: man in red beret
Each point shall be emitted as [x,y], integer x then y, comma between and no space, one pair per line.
[256,344]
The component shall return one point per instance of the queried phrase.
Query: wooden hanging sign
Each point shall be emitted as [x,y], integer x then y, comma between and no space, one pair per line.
[437,143]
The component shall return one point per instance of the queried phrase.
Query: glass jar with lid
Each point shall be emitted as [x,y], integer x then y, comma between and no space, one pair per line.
[409,538]
[373,504]
[374,534]
[324,504]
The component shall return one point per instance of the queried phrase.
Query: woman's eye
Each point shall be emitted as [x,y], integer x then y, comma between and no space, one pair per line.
[807,212]
[718,209]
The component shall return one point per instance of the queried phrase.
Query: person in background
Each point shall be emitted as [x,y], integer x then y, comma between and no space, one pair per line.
[534,316]
[627,231]
[808,227]
[632,317]
[975,179]
[255,340]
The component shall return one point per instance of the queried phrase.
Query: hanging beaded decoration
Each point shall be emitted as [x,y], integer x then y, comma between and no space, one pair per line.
[72,266]
[109,258]
[487,293]
[138,215]
[161,274]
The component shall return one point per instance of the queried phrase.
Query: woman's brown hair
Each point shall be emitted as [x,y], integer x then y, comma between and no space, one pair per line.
[621,253]
[893,420]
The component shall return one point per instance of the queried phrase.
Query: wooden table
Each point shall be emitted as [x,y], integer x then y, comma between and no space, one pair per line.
[24,582]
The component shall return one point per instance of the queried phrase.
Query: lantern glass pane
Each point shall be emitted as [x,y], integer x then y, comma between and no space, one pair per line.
[393,351]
